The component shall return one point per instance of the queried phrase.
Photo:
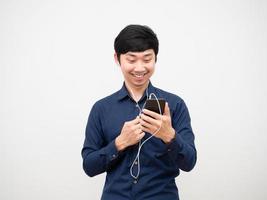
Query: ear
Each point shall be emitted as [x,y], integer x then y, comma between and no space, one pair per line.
[116,59]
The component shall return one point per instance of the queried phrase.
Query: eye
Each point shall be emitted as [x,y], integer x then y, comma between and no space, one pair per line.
[147,60]
[131,61]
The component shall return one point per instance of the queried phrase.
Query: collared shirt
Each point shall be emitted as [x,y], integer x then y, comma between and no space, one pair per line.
[159,163]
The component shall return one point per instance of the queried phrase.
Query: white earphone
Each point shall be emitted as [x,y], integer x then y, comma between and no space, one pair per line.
[137,158]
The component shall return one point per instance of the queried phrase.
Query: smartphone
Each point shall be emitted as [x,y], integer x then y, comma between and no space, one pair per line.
[152,104]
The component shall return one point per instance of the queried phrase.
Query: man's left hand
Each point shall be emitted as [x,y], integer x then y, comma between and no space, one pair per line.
[151,121]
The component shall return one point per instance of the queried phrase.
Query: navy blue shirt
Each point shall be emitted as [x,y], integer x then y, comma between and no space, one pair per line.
[160,163]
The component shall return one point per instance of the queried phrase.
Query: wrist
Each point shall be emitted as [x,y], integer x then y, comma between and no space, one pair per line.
[120,145]
[169,137]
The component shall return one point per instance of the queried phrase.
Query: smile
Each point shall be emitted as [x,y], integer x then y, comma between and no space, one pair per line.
[139,75]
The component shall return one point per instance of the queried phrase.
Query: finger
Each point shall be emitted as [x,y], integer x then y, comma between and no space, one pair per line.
[167,110]
[135,121]
[152,114]
[136,127]
[145,125]
[141,135]
[148,119]
[148,130]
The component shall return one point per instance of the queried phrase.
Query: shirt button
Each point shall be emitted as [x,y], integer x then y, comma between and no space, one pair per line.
[135,162]
[135,181]
[113,156]
[169,150]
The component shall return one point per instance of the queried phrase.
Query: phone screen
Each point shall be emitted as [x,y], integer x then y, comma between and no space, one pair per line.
[152,104]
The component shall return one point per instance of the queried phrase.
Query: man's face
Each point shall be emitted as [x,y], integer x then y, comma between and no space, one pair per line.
[137,67]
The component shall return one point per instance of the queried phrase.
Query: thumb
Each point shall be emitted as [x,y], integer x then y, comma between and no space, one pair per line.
[135,121]
[167,109]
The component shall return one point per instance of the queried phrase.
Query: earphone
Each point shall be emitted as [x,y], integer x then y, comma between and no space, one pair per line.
[137,158]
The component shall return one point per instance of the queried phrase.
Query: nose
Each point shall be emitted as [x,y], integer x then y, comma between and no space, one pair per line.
[139,67]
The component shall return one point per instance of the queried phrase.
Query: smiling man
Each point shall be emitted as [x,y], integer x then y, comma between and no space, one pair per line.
[141,151]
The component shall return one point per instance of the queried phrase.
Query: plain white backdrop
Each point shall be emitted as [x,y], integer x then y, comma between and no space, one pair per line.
[56,60]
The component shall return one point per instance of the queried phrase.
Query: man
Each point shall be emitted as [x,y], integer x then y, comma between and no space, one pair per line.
[118,126]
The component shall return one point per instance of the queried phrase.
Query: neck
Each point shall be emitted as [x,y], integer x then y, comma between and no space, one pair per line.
[136,92]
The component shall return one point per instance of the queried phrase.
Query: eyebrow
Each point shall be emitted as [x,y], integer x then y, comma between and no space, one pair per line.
[133,55]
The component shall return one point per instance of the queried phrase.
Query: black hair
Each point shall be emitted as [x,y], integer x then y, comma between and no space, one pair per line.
[136,38]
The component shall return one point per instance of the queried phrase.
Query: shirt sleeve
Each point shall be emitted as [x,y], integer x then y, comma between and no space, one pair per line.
[182,148]
[98,156]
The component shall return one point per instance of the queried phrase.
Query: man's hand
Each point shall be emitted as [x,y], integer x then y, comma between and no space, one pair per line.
[130,134]
[151,122]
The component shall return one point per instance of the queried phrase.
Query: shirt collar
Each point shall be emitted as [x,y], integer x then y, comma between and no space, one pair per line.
[123,92]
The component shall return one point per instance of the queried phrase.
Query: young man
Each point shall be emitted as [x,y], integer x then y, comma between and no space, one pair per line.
[118,126]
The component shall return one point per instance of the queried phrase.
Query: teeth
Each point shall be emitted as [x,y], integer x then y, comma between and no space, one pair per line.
[138,75]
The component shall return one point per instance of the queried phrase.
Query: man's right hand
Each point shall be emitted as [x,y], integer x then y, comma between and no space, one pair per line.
[131,134]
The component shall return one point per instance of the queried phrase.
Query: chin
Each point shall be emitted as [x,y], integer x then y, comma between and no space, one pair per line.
[139,84]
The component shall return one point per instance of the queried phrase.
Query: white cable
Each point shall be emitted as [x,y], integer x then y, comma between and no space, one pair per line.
[137,158]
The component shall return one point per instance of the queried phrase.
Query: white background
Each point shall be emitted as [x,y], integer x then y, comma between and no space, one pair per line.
[56,60]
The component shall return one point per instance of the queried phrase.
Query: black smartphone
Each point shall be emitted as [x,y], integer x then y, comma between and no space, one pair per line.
[152,104]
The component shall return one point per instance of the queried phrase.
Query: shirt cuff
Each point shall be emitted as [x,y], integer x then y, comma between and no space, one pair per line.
[111,151]
[176,145]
